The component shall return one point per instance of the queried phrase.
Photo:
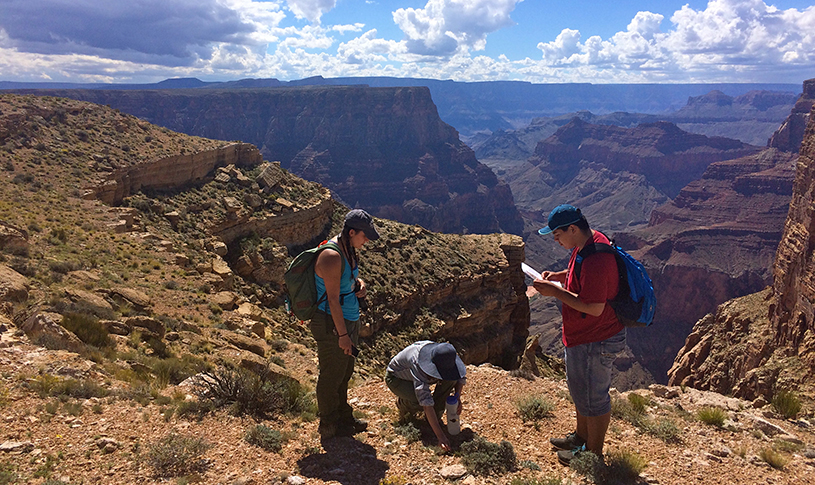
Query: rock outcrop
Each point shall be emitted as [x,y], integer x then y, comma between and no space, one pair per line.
[171,172]
[791,133]
[383,149]
[714,242]
[761,343]
[668,157]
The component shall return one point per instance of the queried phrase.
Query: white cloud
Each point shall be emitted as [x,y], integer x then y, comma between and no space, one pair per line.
[310,10]
[445,27]
[728,36]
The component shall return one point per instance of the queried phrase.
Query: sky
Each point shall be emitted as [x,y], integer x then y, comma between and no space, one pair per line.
[540,41]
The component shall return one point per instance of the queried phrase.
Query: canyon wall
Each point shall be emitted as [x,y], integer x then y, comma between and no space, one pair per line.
[382,149]
[754,346]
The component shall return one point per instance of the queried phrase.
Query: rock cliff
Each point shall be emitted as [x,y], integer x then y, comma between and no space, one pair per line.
[715,241]
[791,133]
[668,157]
[763,343]
[384,149]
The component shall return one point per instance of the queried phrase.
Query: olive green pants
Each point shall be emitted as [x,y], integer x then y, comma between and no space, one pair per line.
[335,369]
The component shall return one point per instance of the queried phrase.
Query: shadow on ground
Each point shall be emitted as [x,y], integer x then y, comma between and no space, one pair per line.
[345,460]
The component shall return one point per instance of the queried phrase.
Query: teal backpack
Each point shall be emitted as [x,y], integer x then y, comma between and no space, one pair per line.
[301,289]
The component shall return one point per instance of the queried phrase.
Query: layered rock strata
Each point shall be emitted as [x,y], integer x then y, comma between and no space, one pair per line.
[383,149]
[668,157]
[791,134]
[171,172]
[757,345]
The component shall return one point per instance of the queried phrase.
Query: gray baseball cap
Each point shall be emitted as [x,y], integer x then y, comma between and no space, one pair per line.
[360,220]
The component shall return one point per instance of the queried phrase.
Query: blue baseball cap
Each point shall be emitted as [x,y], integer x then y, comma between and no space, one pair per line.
[561,216]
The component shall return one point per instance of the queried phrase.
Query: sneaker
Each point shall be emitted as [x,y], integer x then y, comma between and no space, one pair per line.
[565,456]
[568,442]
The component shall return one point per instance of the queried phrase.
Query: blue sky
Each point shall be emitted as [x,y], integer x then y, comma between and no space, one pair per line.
[541,41]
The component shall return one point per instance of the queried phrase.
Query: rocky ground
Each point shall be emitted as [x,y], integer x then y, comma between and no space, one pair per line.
[111,439]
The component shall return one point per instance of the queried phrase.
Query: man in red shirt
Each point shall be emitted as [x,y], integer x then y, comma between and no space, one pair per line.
[591,332]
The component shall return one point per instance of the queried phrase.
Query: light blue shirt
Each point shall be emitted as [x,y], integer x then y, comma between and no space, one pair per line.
[349,301]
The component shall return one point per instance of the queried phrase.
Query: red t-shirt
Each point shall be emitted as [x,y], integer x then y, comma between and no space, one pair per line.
[599,282]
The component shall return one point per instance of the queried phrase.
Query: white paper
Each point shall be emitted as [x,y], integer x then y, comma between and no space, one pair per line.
[529,271]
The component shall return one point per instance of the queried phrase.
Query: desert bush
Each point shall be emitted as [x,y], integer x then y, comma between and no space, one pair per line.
[48,385]
[625,410]
[787,404]
[246,392]
[194,409]
[176,455]
[534,408]
[482,457]
[174,370]
[639,403]
[87,328]
[536,481]
[264,437]
[664,429]
[8,473]
[621,466]
[279,345]
[409,431]
[712,415]
[773,458]
[4,395]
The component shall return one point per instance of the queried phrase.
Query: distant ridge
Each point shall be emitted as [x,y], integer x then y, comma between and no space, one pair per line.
[477,107]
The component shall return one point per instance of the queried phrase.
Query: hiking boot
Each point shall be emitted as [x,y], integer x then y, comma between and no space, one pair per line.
[357,425]
[565,456]
[327,430]
[568,442]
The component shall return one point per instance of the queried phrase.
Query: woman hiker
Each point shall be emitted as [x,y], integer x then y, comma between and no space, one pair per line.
[335,325]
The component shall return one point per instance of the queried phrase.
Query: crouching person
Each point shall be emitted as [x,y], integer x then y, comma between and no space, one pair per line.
[419,366]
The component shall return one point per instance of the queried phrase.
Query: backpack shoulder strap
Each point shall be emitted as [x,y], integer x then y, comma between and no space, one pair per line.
[588,250]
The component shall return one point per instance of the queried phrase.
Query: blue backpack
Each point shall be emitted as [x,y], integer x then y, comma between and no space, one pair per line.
[635,302]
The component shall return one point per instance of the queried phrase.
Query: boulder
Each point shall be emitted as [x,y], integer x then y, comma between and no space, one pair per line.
[90,302]
[13,285]
[225,299]
[44,328]
[146,325]
[135,297]
[13,239]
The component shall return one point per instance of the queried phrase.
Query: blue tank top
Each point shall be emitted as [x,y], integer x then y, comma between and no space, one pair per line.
[350,303]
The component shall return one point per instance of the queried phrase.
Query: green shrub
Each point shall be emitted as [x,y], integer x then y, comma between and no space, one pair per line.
[194,408]
[48,385]
[174,370]
[409,431]
[787,404]
[246,392]
[536,481]
[8,473]
[621,466]
[87,328]
[265,437]
[482,457]
[534,408]
[774,458]
[712,415]
[625,410]
[176,455]
[664,429]
[639,403]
